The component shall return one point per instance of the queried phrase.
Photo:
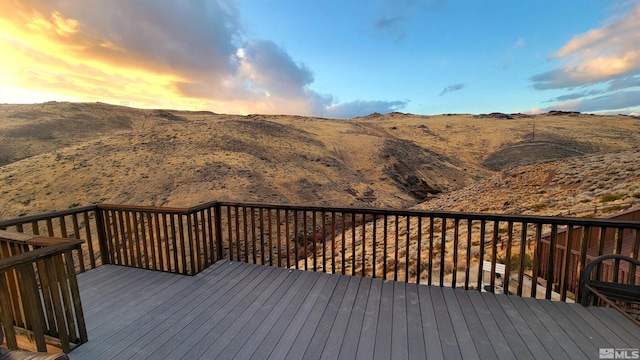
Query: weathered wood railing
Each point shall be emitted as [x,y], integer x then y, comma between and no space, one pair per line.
[39,295]
[78,223]
[178,240]
[435,248]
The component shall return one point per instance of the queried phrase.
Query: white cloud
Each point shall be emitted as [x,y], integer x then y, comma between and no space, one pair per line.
[599,55]
[604,63]
[190,50]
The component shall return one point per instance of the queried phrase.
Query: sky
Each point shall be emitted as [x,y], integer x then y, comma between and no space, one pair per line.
[326,58]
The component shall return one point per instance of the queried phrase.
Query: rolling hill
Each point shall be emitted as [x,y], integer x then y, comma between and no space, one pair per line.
[54,156]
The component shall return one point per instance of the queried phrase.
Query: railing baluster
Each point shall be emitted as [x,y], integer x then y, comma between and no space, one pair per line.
[6,315]
[431,236]
[363,240]
[253,237]
[385,238]
[634,255]
[454,275]
[467,270]
[314,225]
[551,262]
[141,238]
[296,239]
[237,231]
[125,238]
[269,237]
[246,235]
[154,240]
[260,236]
[324,241]
[167,242]
[279,239]
[374,245]
[33,310]
[407,250]
[63,226]
[333,242]
[50,227]
[75,296]
[213,237]
[63,288]
[344,241]
[287,237]
[507,263]
[174,243]
[35,228]
[443,249]
[305,240]
[134,237]
[183,246]
[76,234]
[601,241]
[395,250]
[353,243]
[481,254]
[567,275]
[536,260]
[617,249]
[494,254]
[193,247]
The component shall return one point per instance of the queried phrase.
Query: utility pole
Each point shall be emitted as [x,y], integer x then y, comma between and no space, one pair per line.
[533,132]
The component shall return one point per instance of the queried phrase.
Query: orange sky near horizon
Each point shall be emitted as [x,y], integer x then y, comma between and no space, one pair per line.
[206,55]
[46,56]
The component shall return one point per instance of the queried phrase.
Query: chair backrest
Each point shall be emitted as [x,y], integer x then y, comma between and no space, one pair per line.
[500,268]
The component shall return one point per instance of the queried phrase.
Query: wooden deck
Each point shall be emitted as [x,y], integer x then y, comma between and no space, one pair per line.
[237,310]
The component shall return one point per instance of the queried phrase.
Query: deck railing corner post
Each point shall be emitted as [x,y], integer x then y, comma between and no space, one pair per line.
[217,213]
[102,235]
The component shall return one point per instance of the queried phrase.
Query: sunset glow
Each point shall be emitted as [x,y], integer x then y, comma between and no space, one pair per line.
[229,57]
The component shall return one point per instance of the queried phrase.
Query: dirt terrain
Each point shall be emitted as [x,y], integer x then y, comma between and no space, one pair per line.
[55,156]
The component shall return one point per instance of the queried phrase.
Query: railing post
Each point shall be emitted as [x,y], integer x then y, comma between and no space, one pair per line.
[6,315]
[218,220]
[102,236]
[582,261]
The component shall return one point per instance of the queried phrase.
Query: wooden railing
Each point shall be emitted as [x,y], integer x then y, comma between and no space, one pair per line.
[39,297]
[435,248]
[177,240]
[78,223]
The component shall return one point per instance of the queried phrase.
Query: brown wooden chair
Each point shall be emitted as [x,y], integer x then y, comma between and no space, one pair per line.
[623,297]
[6,354]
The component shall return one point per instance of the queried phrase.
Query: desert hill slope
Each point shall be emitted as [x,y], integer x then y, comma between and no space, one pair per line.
[590,185]
[59,155]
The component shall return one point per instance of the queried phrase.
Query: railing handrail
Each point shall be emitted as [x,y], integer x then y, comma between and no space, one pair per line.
[32,218]
[451,215]
[141,208]
[559,220]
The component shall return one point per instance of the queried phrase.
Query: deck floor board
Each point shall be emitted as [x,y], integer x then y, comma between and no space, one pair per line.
[237,310]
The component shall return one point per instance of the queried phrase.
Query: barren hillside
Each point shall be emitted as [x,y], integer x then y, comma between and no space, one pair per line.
[55,156]
[590,185]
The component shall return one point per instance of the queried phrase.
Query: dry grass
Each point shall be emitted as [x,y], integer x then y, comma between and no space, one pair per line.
[61,155]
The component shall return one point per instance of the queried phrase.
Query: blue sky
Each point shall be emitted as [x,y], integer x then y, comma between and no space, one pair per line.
[326,58]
